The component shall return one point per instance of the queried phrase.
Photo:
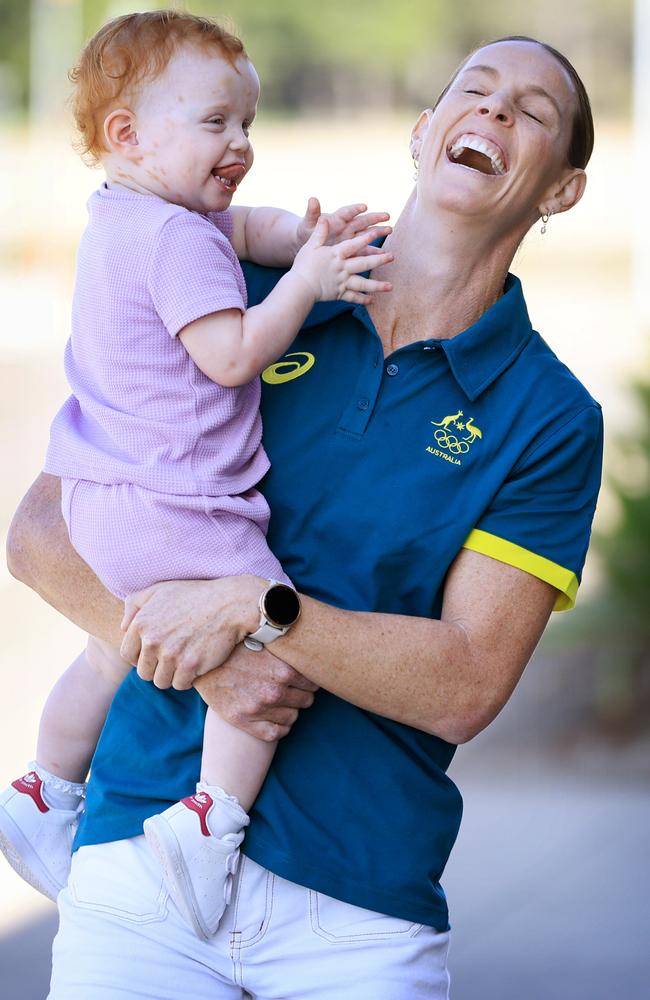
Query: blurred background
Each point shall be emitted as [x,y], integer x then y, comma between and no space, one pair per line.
[557,812]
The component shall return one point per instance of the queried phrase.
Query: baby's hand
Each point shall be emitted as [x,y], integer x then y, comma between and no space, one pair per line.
[344,224]
[333,272]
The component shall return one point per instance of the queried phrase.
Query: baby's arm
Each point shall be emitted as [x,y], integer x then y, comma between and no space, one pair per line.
[273,236]
[232,348]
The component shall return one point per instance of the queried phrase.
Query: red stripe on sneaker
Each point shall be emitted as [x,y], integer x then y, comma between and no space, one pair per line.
[201,804]
[30,784]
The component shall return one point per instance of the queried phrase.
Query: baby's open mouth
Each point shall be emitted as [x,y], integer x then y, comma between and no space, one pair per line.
[477,153]
[229,176]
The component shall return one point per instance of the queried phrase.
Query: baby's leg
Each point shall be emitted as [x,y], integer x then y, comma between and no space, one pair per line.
[39,812]
[76,708]
[234,760]
[197,840]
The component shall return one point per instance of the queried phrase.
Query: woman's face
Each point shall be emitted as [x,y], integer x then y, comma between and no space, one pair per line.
[496,144]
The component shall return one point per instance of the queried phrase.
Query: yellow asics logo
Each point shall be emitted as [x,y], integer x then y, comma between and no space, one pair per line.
[285,370]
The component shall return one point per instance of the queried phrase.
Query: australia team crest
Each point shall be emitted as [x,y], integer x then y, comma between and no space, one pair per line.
[454,436]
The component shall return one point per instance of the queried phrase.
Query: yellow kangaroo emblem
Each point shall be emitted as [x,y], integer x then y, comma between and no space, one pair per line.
[450,445]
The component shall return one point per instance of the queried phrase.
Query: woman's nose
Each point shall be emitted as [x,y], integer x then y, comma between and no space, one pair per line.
[496,106]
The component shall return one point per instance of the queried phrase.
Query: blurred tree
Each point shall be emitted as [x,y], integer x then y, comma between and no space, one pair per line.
[610,631]
[14,47]
[617,621]
[375,53]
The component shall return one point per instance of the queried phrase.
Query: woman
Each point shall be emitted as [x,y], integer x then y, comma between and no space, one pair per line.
[434,475]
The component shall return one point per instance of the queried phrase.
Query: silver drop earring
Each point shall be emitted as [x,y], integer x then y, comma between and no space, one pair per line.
[416,166]
[545,217]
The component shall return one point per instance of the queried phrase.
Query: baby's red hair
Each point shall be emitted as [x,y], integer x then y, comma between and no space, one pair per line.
[128,51]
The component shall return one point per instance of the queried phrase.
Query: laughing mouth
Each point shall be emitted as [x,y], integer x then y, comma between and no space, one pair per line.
[477,153]
[229,176]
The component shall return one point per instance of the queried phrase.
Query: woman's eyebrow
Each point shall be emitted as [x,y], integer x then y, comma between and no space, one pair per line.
[532,88]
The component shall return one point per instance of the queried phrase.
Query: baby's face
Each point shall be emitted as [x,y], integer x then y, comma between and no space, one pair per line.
[192,130]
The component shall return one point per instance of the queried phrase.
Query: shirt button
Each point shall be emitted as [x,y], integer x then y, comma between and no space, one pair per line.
[363,403]
[392,369]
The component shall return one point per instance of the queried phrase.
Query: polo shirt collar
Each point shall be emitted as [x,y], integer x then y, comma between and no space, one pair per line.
[479,354]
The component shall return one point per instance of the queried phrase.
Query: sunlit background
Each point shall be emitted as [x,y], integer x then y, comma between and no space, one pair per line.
[549,883]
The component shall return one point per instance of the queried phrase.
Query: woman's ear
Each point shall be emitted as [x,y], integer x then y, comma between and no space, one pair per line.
[419,131]
[565,193]
[119,132]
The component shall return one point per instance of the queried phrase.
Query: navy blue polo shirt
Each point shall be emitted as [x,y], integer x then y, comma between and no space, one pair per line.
[382,469]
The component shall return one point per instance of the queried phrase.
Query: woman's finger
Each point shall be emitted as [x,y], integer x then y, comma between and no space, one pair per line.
[164,673]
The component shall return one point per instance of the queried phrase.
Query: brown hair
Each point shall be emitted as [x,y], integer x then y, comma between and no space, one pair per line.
[127,51]
[581,142]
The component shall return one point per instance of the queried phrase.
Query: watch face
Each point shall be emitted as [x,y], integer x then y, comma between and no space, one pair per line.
[281,605]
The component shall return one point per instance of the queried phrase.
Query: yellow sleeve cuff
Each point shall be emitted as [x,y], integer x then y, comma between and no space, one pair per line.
[562,579]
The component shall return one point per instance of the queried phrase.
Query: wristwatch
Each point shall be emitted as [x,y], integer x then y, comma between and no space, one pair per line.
[279,609]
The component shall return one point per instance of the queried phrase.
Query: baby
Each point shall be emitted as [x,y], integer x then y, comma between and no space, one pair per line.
[159,447]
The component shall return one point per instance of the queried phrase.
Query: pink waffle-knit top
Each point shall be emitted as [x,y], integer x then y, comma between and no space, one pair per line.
[141,411]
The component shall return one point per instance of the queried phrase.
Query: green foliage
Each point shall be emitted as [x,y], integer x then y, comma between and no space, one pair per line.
[371,54]
[615,626]
[625,552]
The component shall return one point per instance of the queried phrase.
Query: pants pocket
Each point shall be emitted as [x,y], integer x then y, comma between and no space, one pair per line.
[116,878]
[337,922]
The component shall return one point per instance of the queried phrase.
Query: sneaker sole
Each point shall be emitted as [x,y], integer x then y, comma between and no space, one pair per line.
[164,844]
[23,858]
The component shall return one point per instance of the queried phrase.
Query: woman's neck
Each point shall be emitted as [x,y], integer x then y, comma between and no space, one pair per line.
[444,276]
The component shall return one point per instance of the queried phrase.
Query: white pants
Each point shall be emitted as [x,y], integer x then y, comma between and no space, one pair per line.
[121,937]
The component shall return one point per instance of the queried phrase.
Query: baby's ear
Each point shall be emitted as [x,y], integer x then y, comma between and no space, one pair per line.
[119,132]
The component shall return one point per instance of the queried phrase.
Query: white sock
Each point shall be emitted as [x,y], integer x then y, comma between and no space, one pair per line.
[226,815]
[58,793]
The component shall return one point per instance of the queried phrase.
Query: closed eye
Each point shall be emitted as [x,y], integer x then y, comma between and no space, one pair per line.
[529,114]
[480,93]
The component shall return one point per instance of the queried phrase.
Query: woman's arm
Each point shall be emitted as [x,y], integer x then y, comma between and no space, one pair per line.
[257,693]
[39,554]
[449,677]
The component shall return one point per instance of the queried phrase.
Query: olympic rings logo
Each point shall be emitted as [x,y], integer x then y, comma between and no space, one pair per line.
[285,370]
[450,442]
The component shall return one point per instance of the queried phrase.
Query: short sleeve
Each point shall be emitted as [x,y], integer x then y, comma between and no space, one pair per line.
[193,272]
[540,520]
[223,221]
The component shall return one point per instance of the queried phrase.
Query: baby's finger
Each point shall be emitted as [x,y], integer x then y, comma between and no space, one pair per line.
[358,297]
[368,220]
[357,283]
[357,244]
[313,211]
[349,212]
[354,265]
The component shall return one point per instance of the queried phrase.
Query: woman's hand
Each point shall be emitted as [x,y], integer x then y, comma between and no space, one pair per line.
[179,630]
[257,692]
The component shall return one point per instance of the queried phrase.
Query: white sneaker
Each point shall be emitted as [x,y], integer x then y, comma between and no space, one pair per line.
[197,866]
[35,839]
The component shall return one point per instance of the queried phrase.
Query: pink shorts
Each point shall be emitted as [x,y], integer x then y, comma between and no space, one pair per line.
[132,537]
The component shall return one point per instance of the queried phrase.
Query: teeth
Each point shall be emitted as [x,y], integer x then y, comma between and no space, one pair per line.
[480,146]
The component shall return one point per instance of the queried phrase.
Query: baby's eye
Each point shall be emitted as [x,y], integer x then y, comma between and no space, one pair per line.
[217,120]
